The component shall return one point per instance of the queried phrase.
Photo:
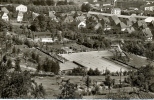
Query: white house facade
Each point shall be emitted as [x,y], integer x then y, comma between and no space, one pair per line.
[149,8]
[5,17]
[21,8]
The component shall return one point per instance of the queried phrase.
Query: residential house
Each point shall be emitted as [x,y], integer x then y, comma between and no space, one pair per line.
[116,11]
[122,26]
[106,23]
[52,16]
[42,34]
[21,8]
[148,34]
[129,30]
[4,16]
[115,20]
[80,18]
[20,17]
[4,9]
[149,7]
[132,19]
[34,15]
[140,24]
[68,19]
[82,24]
[97,26]
[149,19]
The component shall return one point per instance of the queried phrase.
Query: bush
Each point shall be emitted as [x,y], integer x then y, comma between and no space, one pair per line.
[151,87]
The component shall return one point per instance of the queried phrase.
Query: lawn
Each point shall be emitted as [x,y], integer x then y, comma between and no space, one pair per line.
[138,61]
[52,88]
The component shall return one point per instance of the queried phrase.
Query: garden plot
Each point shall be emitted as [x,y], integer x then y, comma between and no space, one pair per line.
[94,60]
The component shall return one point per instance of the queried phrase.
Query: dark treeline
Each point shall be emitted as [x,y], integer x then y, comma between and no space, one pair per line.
[38,2]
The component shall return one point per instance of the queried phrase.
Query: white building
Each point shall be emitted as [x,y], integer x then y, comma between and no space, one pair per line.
[21,8]
[5,17]
[20,17]
[116,11]
[149,8]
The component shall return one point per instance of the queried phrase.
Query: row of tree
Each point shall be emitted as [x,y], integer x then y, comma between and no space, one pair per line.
[39,2]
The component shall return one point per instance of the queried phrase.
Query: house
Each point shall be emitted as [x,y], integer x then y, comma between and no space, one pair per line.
[20,17]
[82,24]
[149,7]
[132,19]
[80,18]
[4,9]
[148,34]
[21,8]
[97,26]
[115,20]
[130,30]
[42,34]
[122,26]
[52,16]
[116,11]
[34,15]
[68,19]
[149,19]
[4,16]
[106,23]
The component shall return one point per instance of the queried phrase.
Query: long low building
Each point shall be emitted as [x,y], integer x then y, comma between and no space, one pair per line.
[120,16]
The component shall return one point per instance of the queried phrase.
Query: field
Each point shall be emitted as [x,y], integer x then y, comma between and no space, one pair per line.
[94,60]
[52,88]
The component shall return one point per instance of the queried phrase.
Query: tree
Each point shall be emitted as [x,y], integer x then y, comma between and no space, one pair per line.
[17,64]
[108,81]
[39,67]
[85,7]
[88,82]
[9,63]
[69,91]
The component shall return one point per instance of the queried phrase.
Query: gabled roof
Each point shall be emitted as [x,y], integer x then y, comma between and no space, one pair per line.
[106,19]
[20,5]
[149,19]
[4,9]
[115,19]
[132,19]
[130,29]
[97,26]
[141,23]
[51,14]
[42,33]
[122,25]
[129,23]
[100,16]
[80,18]
[34,15]
[68,19]
[147,32]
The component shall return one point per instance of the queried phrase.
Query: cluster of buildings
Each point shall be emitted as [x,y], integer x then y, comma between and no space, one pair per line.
[18,7]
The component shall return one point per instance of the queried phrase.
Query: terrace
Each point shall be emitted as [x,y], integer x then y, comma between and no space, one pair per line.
[94,60]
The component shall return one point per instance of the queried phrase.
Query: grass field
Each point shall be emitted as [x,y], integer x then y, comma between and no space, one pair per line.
[52,87]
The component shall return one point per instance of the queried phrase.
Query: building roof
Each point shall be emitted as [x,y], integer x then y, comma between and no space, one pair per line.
[4,9]
[42,33]
[106,19]
[129,23]
[147,32]
[115,19]
[51,14]
[132,19]
[130,29]
[149,19]
[122,25]
[68,19]
[100,16]
[80,18]
[141,23]
[97,26]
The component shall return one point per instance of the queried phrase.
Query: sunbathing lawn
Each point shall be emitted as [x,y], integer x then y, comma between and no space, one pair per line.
[52,88]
